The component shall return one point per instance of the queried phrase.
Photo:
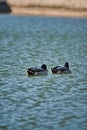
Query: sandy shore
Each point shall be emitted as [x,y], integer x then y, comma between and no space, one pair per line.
[49,12]
[66,8]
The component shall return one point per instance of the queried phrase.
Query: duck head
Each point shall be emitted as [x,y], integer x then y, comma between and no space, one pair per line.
[44,67]
[66,65]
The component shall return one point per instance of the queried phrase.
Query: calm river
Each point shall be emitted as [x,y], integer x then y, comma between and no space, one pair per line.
[52,102]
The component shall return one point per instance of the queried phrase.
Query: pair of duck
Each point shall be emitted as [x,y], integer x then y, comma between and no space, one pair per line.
[43,70]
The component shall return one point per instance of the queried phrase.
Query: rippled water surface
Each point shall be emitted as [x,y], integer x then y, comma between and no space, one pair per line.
[52,102]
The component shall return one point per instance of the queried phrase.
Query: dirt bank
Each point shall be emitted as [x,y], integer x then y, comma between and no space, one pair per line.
[67,8]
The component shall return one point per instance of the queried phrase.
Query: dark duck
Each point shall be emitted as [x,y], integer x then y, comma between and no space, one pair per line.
[34,71]
[61,69]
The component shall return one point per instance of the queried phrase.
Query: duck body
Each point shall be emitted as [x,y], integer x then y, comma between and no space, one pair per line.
[61,69]
[34,71]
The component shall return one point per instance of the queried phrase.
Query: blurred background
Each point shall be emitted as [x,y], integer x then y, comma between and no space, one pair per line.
[45,7]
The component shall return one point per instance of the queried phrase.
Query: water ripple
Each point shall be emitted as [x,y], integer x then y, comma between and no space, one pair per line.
[44,102]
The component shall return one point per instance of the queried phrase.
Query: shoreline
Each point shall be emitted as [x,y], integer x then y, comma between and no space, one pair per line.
[55,12]
[63,8]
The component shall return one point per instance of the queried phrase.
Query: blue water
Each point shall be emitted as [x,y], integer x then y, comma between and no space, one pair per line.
[52,102]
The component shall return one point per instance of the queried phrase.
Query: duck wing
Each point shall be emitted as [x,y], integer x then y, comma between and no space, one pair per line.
[62,69]
[39,69]
[56,67]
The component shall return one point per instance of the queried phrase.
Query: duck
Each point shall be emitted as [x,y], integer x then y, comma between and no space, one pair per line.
[61,69]
[34,71]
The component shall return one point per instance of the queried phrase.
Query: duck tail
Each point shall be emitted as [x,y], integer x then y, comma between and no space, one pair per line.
[30,71]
